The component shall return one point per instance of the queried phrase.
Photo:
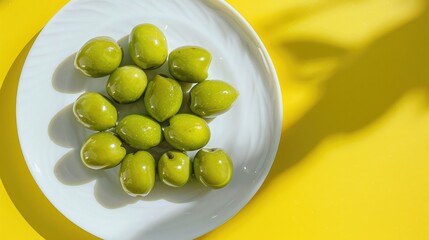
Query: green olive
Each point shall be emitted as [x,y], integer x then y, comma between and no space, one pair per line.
[148,46]
[126,84]
[102,150]
[137,173]
[174,168]
[163,98]
[212,97]
[213,167]
[189,64]
[98,57]
[139,132]
[95,112]
[187,132]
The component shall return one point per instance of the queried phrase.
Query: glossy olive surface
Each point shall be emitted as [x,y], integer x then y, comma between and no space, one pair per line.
[102,150]
[187,132]
[174,168]
[139,132]
[189,64]
[148,46]
[163,98]
[137,173]
[212,97]
[126,84]
[98,57]
[95,112]
[213,167]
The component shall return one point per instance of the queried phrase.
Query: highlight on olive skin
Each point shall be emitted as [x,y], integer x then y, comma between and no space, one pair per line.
[95,112]
[137,174]
[174,168]
[189,64]
[163,98]
[126,84]
[213,167]
[212,98]
[102,150]
[98,57]
[139,131]
[148,46]
[187,132]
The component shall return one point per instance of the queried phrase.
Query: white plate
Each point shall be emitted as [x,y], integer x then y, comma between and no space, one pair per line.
[50,137]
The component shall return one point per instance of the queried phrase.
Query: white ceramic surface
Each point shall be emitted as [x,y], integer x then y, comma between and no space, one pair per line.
[50,137]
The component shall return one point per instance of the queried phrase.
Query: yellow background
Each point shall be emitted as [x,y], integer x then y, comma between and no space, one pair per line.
[353,161]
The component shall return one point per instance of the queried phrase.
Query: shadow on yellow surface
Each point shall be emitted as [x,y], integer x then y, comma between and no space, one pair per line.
[16,178]
[360,91]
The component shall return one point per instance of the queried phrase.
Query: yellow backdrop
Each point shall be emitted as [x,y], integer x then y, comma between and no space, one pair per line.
[353,161]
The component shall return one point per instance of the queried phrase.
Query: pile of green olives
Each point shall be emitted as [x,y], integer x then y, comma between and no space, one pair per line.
[129,141]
